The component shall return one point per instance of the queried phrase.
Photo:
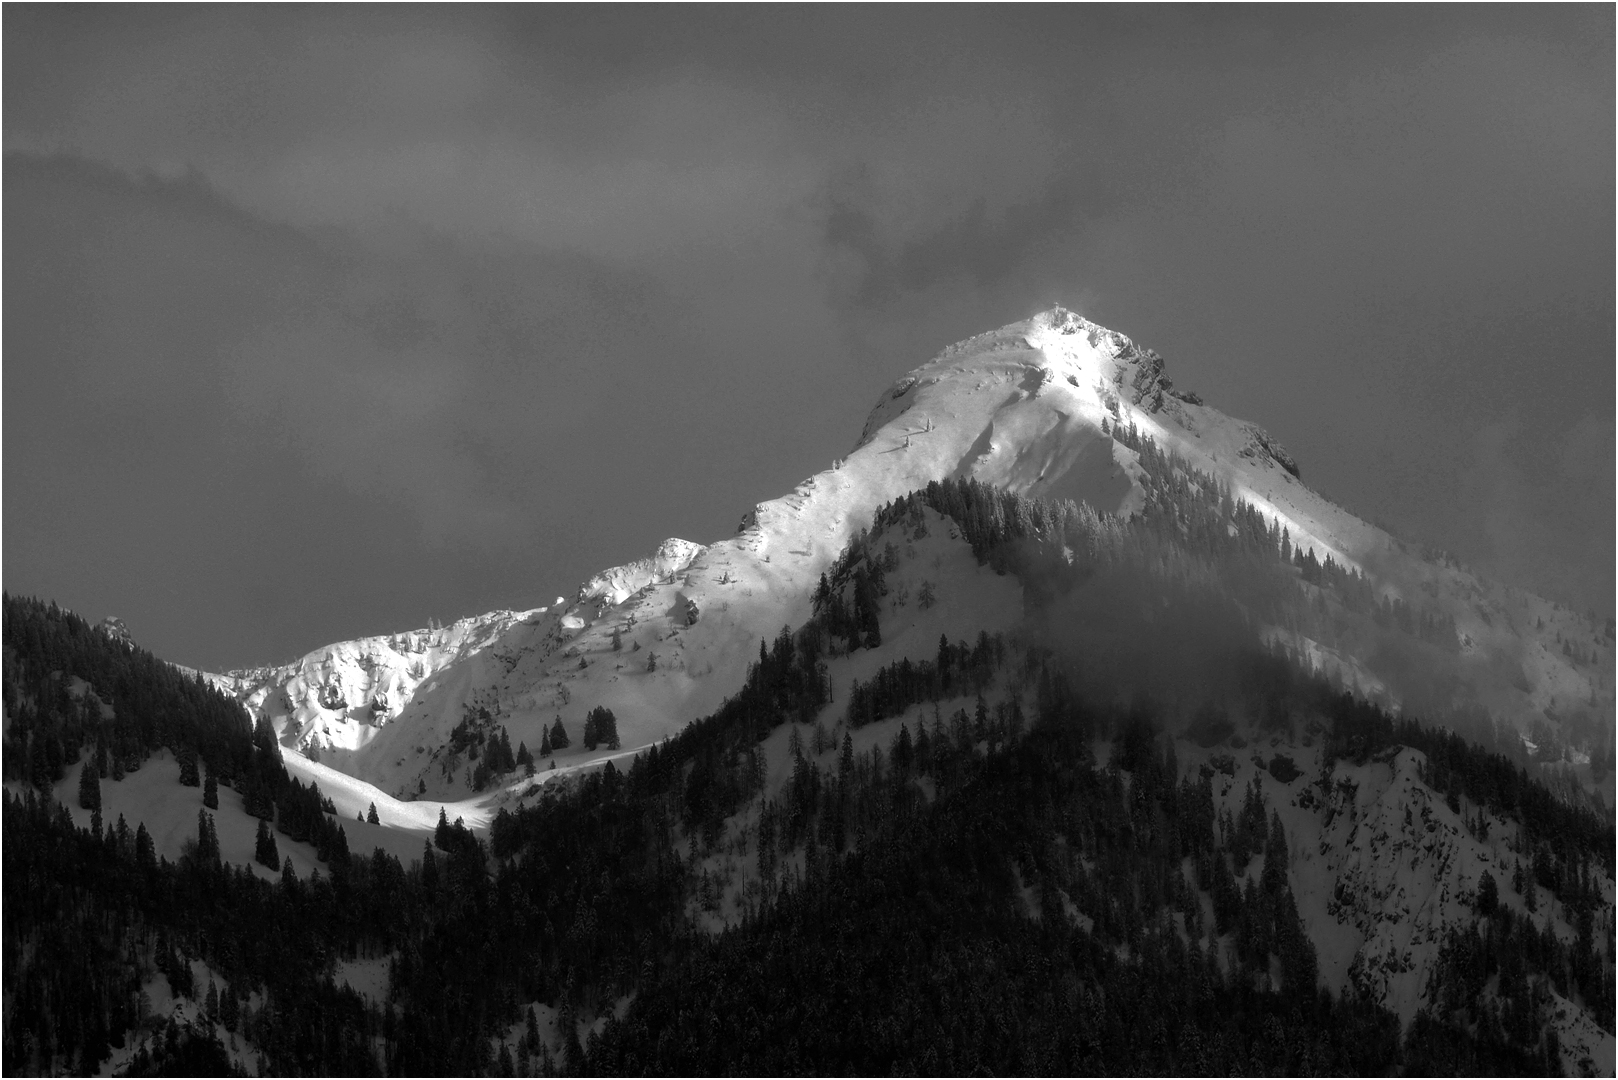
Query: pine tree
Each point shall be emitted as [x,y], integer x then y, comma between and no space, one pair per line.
[545,743]
[822,594]
[903,750]
[601,727]
[1275,857]
[651,660]
[89,787]
[617,640]
[188,766]
[145,851]
[1488,894]
[210,789]
[207,839]
[264,848]
[371,817]
[441,836]
[559,739]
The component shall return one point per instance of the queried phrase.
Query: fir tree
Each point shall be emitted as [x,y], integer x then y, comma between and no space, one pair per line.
[1275,857]
[371,817]
[1488,894]
[210,789]
[559,739]
[207,839]
[903,750]
[545,743]
[601,727]
[188,766]
[264,847]
[89,787]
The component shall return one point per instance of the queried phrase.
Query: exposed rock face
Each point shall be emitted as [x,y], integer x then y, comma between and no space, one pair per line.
[115,629]
[1140,372]
[331,697]
[1262,442]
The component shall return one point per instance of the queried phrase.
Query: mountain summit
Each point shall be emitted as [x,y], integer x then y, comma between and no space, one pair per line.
[1046,407]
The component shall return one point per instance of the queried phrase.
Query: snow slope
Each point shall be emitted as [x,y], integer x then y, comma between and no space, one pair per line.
[1020,407]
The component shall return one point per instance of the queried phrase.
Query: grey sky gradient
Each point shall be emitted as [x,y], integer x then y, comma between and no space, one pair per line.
[324,321]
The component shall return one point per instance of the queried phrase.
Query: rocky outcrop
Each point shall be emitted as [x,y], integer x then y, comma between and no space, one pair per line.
[331,696]
[1261,442]
[114,628]
[1139,373]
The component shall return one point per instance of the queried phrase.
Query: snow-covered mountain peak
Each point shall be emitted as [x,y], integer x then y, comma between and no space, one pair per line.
[1050,406]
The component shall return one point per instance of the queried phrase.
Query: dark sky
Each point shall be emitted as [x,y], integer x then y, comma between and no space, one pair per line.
[324,321]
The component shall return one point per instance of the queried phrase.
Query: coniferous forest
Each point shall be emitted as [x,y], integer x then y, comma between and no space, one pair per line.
[1025,883]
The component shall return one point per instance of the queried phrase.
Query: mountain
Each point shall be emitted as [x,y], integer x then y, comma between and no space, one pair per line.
[1058,728]
[1022,408]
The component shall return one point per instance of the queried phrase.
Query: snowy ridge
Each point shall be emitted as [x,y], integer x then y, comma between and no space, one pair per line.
[1021,407]
[612,587]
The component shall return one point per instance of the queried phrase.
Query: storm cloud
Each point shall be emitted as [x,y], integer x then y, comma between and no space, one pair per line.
[324,321]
